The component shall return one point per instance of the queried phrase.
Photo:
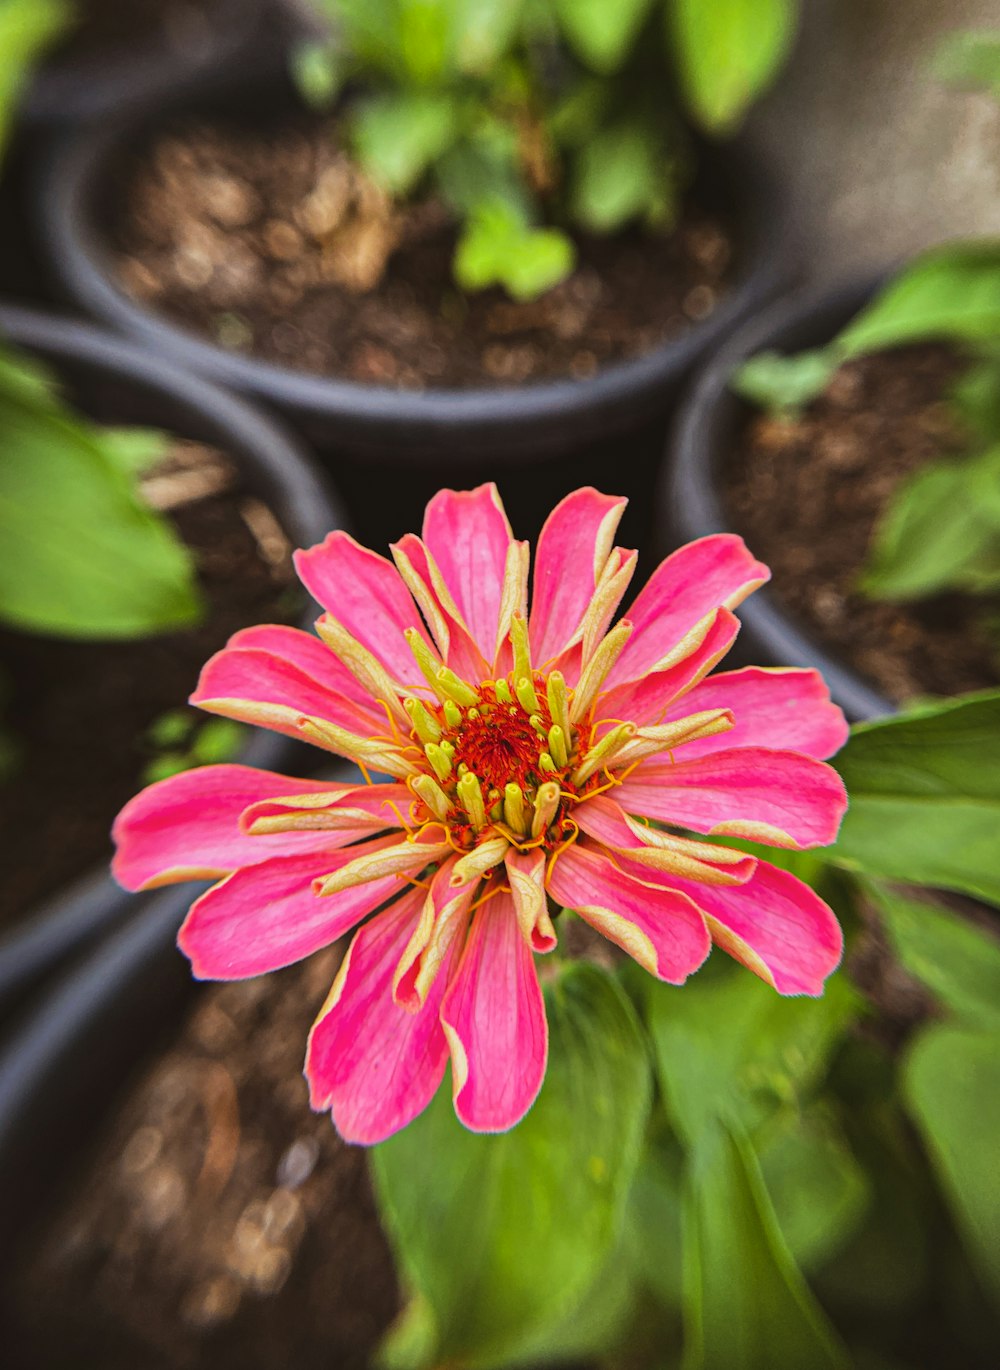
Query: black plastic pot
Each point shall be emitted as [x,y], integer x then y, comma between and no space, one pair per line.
[545,438]
[689,500]
[116,381]
[201,44]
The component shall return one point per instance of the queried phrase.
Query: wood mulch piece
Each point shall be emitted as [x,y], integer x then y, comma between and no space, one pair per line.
[270,243]
[220,1224]
[806,493]
[78,713]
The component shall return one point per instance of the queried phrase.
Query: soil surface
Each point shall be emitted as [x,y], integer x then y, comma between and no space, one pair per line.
[221,1225]
[272,243]
[79,713]
[101,25]
[807,493]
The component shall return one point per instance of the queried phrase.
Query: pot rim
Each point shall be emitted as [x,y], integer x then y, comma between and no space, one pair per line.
[102,83]
[54,929]
[688,491]
[75,247]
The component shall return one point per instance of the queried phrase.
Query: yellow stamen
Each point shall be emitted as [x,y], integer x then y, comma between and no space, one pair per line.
[432,795]
[452,714]
[470,796]
[555,691]
[526,696]
[451,687]
[439,759]
[546,805]
[515,810]
[557,745]
[425,725]
[503,692]
[545,762]
[599,755]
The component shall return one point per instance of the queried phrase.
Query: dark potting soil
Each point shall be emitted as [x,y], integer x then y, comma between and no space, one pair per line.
[220,1224]
[78,714]
[272,244]
[807,492]
[108,25]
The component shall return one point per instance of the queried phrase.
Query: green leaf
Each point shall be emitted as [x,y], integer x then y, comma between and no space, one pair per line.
[319,71]
[218,740]
[818,1190]
[601,33]
[498,248]
[27,28]
[970,59]
[134,450]
[483,31]
[728,52]
[957,961]
[925,797]
[397,137]
[785,384]
[502,1235]
[82,556]
[731,1046]
[937,531]
[746,1302]
[975,398]
[951,293]
[618,175]
[951,1083]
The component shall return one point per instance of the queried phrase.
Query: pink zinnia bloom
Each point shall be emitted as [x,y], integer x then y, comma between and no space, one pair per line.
[537,760]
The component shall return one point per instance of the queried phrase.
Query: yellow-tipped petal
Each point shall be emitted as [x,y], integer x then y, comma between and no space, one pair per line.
[596,670]
[470,796]
[555,692]
[423,722]
[454,688]
[428,790]
[480,860]
[557,746]
[603,752]
[439,759]
[526,696]
[426,660]
[515,810]
[546,806]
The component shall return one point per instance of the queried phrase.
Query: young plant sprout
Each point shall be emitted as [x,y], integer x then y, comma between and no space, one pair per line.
[531,121]
[516,761]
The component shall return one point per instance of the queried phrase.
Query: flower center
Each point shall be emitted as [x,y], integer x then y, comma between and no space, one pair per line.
[500,758]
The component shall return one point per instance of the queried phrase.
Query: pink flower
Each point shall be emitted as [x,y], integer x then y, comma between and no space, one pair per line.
[535,761]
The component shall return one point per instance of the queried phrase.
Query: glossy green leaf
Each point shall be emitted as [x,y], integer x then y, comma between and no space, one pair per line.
[937,531]
[746,1302]
[925,797]
[952,1088]
[970,59]
[397,137]
[728,52]
[502,1235]
[732,1046]
[785,384]
[27,28]
[951,293]
[599,32]
[81,555]
[957,961]
[618,175]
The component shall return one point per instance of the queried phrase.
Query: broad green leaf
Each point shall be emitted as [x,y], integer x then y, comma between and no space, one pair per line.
[957,961]
[818,1190]
[975,398]
[951,293]
[601,33]
[785,384]
[134,450]
[746,1303]
[951,1084]
[970,59]
[937,529]
[925,797]
[81,555]
[731,1046]
[27,28]
[482,31]
[397,137]
[423,36]
[727,53]
[502,1235]
[319,71]
[618,175]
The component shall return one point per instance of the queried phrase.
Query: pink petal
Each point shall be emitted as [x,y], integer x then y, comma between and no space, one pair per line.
[467,534]
[788,710]
[311,656]
[661,929]
[454,641]
[235,680]
[648,701]
[775,925]
[443,920]
[783,799]
[693,582]
[374,1065]
[603,819]
[386,804]
[494,1018]
[365,594]
[573,549]
[187,827]
[264,917]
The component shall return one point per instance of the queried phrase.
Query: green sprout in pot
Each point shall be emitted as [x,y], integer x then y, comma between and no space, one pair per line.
[535,120]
